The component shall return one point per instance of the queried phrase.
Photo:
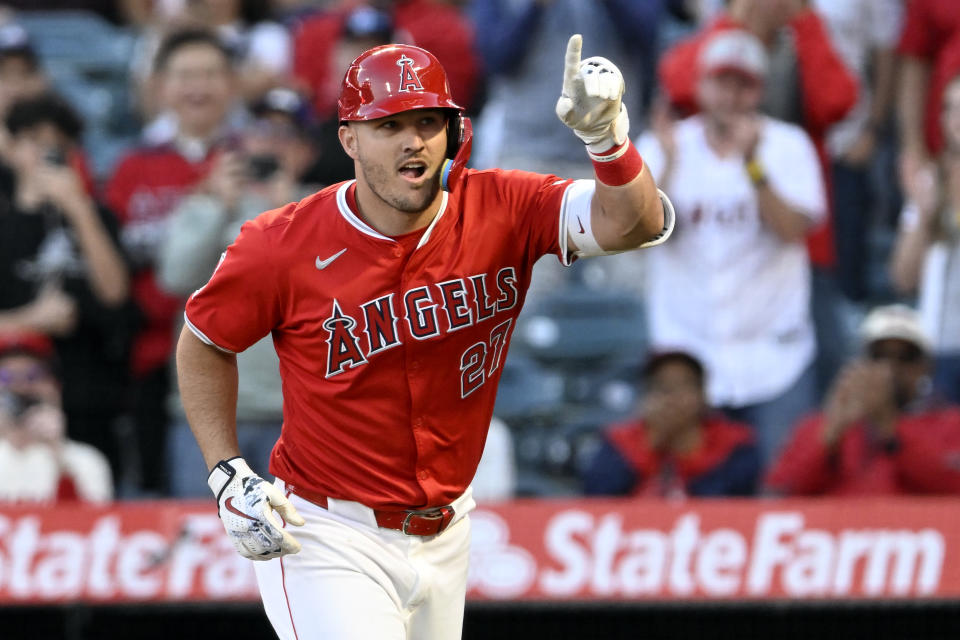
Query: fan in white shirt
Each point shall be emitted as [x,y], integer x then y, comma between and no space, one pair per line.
[38,463]
[733,285]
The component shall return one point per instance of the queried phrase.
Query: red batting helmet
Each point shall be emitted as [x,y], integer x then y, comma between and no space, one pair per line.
[392,78]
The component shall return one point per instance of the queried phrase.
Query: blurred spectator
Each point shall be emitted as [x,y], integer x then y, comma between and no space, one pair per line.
[362,28]
[262,48]
[809,85]
[864,33]
[678,446]
[62,270]
[442,28]
[196,79]
[21,78]
[496,477]
[434,25]
[733,284]
[38,462]
[21,75]
[926,256]
[930,56]
[880,431]
[808,82]
[522,43]
[265,172]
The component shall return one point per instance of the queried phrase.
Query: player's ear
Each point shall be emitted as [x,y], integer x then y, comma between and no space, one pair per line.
[348,140]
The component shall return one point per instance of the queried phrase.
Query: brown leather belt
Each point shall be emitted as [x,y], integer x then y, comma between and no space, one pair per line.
[425,522]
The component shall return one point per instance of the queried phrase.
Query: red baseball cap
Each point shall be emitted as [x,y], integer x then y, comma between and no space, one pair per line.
[734,50]
[26,342]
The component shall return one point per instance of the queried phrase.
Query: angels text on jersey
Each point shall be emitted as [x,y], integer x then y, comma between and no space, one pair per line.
[425,312]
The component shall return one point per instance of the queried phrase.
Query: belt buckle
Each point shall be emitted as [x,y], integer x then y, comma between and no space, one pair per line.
[443,514]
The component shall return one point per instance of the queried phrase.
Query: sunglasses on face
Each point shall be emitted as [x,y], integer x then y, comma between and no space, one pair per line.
[902,355]
[37,373]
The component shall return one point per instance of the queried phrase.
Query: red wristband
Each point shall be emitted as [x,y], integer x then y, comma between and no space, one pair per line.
[618,166]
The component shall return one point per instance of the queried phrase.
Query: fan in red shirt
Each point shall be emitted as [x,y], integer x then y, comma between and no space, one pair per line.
[678,447]
[880,431]
[391,299]
[432,25]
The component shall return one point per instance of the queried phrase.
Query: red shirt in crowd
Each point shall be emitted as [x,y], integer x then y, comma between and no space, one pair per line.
[144,189]
[931,33]
[827,88]
[435,26]
[924,457]
[724,463]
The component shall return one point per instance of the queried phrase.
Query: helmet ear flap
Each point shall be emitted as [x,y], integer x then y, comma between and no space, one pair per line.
[459,145]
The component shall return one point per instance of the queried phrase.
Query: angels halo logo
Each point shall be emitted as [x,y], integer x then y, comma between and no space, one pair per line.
[409,80]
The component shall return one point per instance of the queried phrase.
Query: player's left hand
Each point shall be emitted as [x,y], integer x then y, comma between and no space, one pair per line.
[246,503]
[591,103]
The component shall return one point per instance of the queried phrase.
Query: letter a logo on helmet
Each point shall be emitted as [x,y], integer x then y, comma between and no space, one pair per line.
[409,81]
[370,90]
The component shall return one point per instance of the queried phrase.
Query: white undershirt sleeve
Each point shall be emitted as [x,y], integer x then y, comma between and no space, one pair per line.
[579,227]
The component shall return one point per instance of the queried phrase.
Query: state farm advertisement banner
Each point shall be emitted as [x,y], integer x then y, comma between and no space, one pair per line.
[525,551]
[717,550]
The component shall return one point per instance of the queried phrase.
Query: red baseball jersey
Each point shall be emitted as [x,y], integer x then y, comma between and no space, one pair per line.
[145,188]
[390,348]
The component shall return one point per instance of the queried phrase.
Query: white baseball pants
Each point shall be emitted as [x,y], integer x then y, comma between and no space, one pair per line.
[355,581]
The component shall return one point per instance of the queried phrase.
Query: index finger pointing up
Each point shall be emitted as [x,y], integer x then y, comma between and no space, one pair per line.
[572,63]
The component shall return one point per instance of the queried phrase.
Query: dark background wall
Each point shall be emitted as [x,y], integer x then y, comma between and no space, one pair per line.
[913,621]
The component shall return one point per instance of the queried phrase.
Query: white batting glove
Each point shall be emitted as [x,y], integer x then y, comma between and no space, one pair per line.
[591,103]
[246,504]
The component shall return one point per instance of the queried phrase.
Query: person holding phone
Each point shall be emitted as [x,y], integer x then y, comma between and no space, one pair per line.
[264,169]
[62,271]
[38,462]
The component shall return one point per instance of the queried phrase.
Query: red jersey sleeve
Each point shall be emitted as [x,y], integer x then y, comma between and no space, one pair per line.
[829,89]
[915,40]
[241,303]
[678,76]
[929,457]
[531,204]
[804,466]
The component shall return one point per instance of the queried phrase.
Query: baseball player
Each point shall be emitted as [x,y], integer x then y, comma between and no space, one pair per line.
[391,299]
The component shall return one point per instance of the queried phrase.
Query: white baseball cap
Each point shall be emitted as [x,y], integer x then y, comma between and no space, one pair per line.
[897,322]
[734,50]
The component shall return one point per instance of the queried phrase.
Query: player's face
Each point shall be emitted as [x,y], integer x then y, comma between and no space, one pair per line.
[400,156]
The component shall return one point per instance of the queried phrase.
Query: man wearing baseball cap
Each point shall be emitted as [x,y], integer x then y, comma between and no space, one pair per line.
[881,430]
[390,300]
[734,288]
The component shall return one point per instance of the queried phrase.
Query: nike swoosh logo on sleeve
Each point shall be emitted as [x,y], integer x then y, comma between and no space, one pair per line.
[323,264]
[581,225]
[228,503]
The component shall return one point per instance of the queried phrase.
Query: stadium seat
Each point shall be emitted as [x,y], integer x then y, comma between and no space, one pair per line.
[582,324]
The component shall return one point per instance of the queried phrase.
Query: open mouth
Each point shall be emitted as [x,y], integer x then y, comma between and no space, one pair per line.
[413,170]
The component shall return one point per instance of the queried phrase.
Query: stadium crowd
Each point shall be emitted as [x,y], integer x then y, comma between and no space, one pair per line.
[798,335]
